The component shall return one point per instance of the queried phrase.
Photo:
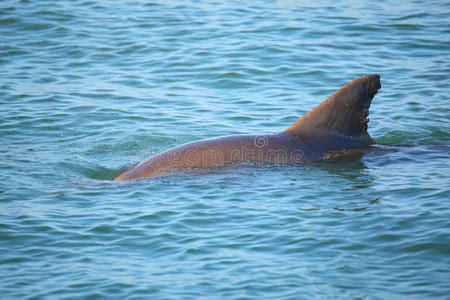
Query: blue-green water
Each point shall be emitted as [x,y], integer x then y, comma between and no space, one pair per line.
[89,87]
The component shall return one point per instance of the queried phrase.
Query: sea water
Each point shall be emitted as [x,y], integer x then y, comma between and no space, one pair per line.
[89,87]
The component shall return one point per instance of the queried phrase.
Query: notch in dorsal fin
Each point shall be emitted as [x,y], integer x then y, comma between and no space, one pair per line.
[345,112]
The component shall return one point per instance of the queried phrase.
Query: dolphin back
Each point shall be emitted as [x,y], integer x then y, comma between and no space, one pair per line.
[338,123]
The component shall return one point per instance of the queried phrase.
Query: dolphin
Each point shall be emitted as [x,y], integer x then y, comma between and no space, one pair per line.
[337,124]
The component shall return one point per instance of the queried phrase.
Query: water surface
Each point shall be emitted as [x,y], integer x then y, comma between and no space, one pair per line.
[89,87]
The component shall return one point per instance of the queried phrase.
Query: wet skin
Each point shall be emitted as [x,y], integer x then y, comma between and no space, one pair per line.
[338,123]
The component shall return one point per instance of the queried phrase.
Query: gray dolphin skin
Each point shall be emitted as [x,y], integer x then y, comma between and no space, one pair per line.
[338,123]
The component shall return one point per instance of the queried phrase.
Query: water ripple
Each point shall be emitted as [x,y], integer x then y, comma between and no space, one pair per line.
[87,88]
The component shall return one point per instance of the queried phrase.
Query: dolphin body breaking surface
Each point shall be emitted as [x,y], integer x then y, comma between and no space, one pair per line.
[338,123]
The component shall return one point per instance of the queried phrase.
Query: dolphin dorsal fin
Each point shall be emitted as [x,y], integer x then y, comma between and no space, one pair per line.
[345,112]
